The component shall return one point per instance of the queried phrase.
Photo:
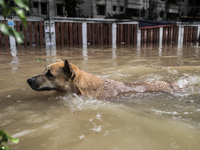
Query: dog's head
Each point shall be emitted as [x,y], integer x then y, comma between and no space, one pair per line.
[58,76]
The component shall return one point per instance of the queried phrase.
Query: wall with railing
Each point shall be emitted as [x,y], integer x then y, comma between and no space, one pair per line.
[97,32]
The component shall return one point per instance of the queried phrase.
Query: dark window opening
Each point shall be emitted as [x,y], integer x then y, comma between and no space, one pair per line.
[101,10]
[171,16]
[143,11]
[172,1]
[132,12]
[114,8]
[44,8]
[60,10]
[121,8]
[161,14]
[35,4]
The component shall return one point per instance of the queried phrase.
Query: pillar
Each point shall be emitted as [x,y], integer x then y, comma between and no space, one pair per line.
[11,38]
[84,34]
[114,35]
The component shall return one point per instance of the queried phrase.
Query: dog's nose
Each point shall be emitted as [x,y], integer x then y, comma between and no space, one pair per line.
[29,81]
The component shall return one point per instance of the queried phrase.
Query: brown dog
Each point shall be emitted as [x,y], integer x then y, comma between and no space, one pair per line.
[66,77]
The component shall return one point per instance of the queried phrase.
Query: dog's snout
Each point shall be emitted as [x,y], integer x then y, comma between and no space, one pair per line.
[29,81]
[33,83]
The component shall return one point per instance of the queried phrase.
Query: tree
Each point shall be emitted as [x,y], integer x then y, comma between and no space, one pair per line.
[5,29]
[72,7]
[7,9]
[4,139]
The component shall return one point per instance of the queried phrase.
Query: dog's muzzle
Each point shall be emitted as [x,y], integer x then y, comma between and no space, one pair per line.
[33,83]
[39,83]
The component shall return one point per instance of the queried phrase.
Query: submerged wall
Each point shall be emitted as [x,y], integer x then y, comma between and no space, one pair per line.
[83,32]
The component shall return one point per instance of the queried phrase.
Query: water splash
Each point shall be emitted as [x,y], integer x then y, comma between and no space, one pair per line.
[78,102]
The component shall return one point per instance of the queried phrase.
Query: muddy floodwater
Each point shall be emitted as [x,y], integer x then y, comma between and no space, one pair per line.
[50,120]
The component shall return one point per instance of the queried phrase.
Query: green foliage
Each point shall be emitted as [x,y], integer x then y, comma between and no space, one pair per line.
[7,30]
[4,139]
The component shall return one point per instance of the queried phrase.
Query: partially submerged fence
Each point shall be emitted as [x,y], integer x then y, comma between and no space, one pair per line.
[126,34]
[33,35]
[98,32]
[68,33]
[190,34]
[4,40]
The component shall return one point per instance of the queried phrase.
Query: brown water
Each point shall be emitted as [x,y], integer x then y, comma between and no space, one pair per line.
[57,121]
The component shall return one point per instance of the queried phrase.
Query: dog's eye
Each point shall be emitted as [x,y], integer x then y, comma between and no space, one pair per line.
[49,74]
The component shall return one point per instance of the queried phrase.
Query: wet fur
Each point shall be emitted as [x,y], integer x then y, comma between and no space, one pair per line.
[66,77]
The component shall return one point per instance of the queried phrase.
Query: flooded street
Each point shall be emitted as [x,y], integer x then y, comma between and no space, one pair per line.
[146,121]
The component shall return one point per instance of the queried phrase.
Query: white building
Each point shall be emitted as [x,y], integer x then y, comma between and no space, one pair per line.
[171,9]
[103,8]
[165,9]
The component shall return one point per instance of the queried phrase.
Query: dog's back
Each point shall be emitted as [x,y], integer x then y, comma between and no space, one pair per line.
[112,88]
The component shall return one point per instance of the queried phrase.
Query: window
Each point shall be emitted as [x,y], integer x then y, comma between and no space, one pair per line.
[143,12]
[133,12]
[101,9]
[172,1]
[161,14]
[35,4]
[114,8]
[44,8]
[121,8]
[60,10]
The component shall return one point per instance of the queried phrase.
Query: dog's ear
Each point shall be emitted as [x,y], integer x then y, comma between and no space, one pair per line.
[67,67]
[58,59]
[68,70]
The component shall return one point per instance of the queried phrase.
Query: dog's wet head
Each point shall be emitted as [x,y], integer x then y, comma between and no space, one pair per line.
[58,76]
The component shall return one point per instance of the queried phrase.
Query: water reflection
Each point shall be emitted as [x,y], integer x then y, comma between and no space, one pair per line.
[50,51]
[138,51]
[160,50]
[85,53]
[179,53]
[15,61]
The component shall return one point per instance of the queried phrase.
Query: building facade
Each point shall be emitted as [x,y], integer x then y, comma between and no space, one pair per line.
[44,8]
[165,9]
[137,9]
[105,8]
[171,9]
